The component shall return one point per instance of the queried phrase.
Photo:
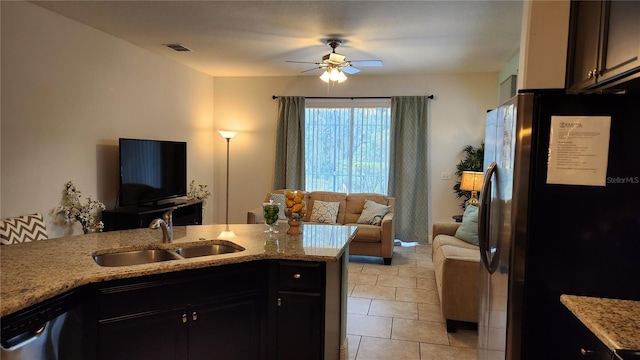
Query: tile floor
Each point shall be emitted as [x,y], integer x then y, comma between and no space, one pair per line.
[393,312]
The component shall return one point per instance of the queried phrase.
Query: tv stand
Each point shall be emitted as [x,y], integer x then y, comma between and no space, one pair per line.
[134,217]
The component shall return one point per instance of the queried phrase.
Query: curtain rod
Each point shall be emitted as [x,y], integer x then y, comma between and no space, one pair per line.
[348,98]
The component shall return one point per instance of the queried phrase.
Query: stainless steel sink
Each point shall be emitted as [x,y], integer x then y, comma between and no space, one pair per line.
[134,257]
[209,249]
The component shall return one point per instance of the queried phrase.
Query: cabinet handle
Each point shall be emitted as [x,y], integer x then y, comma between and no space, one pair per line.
[279,302]
[586,352]
[184,318]
[194,316]
[297,276]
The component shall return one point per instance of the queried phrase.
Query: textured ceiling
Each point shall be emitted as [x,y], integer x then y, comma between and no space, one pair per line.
[255,38]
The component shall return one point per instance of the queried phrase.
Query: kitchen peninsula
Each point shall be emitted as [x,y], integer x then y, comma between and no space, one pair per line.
[284,290]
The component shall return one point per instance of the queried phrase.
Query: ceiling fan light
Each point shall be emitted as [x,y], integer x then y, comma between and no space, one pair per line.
[325,76]
[341,77]
[334,74]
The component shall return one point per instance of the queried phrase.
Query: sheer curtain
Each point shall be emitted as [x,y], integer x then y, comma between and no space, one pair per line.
[289,166]
[408,168]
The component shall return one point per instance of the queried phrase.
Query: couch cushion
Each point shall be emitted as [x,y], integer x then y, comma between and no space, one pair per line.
[442,240]
[368,233]
[468,231]
[372,213]
[327,196]
[324,212]
[355,205]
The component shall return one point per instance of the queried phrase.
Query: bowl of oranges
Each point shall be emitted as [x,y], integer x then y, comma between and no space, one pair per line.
[295,210]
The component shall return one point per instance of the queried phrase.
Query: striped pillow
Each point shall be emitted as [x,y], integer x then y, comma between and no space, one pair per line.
[21,229]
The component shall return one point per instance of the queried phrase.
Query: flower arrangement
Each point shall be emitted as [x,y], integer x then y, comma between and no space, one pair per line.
[73,210]
[197,193]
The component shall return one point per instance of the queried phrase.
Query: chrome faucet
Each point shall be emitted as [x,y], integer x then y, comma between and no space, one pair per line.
[166,224]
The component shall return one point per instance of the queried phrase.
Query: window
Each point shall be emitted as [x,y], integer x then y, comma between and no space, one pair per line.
[347,147]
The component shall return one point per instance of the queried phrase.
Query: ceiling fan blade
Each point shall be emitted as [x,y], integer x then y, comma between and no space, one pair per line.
[366,62]
[315,68]
[302,62]
[350,70]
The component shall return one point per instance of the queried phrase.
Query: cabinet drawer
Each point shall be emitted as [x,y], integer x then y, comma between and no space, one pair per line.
[300,275]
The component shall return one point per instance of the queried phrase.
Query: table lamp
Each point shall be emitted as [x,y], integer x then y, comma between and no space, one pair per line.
[472,181]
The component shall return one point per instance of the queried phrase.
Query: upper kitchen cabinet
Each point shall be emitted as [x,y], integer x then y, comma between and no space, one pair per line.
[604,44]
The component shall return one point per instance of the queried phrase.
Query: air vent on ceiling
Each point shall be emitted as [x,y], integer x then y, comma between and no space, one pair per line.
[177,47]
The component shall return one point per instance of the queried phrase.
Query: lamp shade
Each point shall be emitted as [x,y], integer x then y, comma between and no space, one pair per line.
[227,134]
[471,181]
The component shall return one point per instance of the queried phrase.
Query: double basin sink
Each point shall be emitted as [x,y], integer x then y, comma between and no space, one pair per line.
[147,256]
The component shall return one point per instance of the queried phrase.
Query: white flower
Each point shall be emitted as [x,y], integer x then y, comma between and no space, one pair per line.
[197,193]
[73,210]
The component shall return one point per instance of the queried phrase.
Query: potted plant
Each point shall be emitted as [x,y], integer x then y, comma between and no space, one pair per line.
[473,161]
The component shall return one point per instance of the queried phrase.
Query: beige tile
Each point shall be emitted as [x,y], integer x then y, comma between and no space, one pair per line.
[365,325]
[374,292]
[387,349]
[390,270]
[418,330]
[350,288]
[441,352]
[427,284]
[430,312]
[353,342]
[355,267]
[464,338]
[358,305]
[424,249]
[424,263]
[417,295]
[417,272]
[395,309]
[360,278]
[397,281]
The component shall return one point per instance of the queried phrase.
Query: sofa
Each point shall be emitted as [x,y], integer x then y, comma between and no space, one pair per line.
[457,268]
[370,240]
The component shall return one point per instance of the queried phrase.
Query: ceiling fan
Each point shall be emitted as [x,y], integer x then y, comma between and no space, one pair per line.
[335,65]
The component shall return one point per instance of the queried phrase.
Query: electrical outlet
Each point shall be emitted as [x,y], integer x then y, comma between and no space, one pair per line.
[446,175]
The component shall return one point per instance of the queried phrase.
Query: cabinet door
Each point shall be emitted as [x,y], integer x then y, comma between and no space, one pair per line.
[585,42]
[622,39]
[156,335]
[227,329]
[299,325]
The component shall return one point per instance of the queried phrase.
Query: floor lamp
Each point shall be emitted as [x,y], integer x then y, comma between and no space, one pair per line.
[227,135]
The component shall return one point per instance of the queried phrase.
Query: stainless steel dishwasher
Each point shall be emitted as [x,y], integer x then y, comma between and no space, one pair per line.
[51,330]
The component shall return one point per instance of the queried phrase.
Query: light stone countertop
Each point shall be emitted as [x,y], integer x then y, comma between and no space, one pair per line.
[33,272]
[615,322]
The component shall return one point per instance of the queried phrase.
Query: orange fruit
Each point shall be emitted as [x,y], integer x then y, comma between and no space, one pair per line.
[296,208]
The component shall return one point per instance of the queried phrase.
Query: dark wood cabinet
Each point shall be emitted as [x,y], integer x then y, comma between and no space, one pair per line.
[582,343]
[299,310]
[306,309]
[135,217]
[604,44]
[189,316]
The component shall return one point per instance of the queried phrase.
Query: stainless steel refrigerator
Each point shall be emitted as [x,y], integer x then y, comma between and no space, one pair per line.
[559,214]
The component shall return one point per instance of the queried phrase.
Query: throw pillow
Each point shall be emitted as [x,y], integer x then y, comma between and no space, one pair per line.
[280,199]
[324,212]
[372,213]
[468,231]
[21,229]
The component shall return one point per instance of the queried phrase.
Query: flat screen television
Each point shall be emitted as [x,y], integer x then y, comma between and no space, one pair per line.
[151,171]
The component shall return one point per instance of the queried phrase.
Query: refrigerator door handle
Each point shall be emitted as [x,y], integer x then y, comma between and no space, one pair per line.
[483,230]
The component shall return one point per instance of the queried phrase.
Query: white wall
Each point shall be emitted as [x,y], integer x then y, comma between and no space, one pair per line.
[245,104]
[69,92]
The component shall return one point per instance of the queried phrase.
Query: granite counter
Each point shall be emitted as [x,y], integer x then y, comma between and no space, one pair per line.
[33,272]
[616,323]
